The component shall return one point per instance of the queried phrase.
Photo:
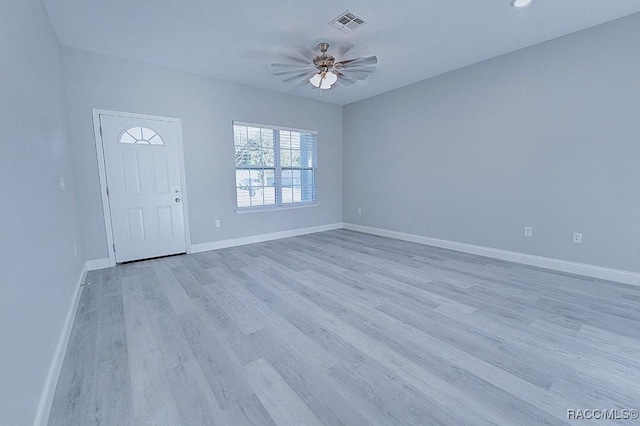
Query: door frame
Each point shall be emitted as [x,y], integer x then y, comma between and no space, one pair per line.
[106,208]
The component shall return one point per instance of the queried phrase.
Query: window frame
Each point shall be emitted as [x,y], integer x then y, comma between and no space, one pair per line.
[278,168]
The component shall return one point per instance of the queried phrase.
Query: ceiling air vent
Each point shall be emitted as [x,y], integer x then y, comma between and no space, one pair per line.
[347,22]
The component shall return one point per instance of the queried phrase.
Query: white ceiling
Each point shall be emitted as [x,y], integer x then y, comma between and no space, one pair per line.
[237,40]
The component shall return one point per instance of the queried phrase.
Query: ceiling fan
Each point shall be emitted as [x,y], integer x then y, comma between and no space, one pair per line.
[323,70]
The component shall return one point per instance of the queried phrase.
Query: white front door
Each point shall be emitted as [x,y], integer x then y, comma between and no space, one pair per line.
[144,181]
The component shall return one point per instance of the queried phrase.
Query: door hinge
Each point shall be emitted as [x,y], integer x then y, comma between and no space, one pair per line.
[114,247]
[101,130]
[107,188]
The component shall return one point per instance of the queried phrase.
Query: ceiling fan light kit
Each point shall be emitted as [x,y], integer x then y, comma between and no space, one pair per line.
[323,71]
[324,79]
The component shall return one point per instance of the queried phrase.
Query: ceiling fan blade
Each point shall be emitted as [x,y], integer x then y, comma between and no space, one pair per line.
[345,81]
[360,62]
[304,80]
[307,53]
[294,71]
[296,66]
[297,59]
[354,75]
[344,49]
[300,79]
[297,76]
[363,68]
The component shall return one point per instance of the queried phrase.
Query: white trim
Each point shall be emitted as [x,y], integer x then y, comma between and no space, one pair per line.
[276,207]
[593,271]
[49,388]
[106,209]
[183,177]
[215,245]
[273,127]
[95,264]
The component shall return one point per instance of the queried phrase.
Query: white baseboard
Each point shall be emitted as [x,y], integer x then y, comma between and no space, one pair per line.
[95,264]
[600,272]
[215,245]
[46,398]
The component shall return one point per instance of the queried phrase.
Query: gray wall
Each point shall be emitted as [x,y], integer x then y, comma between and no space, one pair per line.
[547,137]
[207,107]
[38,226]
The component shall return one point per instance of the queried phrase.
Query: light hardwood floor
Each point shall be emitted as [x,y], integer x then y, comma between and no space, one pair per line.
[345,328]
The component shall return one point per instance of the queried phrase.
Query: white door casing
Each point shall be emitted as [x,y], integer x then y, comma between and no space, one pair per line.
[143,183]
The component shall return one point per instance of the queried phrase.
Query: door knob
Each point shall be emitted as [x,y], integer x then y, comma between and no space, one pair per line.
[177,200]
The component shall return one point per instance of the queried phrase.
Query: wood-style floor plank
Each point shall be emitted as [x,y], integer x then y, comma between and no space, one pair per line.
[345,328]
[77,382]
[281,402]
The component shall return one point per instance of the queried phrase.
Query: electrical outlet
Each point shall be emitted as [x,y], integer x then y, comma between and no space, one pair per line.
[62,186]
[217,223]
[577,238]
[528,231]
[359,210]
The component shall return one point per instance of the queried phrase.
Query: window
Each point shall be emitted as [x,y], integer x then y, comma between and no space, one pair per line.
[275,167]
[141,135]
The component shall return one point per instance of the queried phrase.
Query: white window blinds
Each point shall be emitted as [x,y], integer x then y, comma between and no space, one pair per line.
[274,166]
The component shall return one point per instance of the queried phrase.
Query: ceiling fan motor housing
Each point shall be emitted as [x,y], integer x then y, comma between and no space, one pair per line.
[324,62]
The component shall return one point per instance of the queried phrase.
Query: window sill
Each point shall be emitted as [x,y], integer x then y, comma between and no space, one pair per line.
[262,209]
